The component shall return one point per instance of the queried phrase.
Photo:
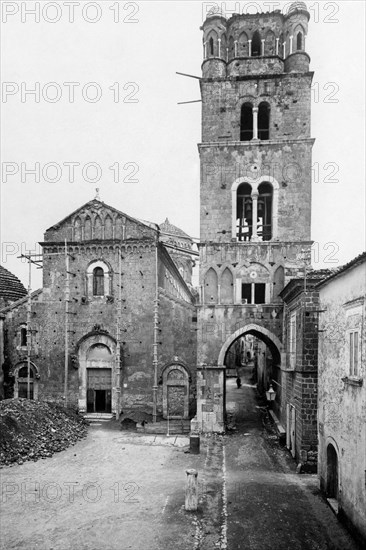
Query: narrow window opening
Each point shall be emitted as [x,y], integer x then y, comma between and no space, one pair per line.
[259,293]
[246,122]
[246,293]
[244,212]
[23,336]
[211,43]
[98,282]
[299,41]
[263,121]
[256,45]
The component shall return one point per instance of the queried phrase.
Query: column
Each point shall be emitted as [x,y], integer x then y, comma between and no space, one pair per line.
[255,123]
[219,41]
[252,294]
[235,48]
[250,48]
[277,45]
[284,50]
[263,41]
[204,50]
[255,216]
[291,39]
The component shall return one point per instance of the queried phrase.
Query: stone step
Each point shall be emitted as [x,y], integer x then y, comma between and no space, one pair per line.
[99,417]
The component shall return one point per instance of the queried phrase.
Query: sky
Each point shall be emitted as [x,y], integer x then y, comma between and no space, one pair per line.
[119,126]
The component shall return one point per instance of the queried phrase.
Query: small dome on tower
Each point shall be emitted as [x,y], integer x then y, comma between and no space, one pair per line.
[295,6]
[216,11]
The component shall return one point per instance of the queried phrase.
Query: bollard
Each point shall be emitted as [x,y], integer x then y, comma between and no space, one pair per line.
[191,502]
[194,444]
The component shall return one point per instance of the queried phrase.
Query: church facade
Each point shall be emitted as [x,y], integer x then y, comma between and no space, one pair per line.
[113,297]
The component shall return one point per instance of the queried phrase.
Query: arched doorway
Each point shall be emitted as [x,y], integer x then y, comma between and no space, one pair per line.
[175,392]
[332,472]
[98,374]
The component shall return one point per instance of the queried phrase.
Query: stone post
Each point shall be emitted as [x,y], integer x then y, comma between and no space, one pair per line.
[255,122]
[191,501]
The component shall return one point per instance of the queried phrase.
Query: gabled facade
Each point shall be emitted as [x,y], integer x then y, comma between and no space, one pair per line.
[118,303]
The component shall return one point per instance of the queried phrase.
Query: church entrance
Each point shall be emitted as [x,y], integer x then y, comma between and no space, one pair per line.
[99,390]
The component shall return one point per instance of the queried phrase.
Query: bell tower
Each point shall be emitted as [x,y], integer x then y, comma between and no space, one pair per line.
[255,191]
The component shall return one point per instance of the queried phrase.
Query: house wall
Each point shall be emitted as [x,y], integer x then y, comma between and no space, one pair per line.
[299,376]
[342,398]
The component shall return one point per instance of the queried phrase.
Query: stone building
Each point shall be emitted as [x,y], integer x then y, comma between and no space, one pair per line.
[118,303]
[296,404]
[255,192]
[342,392]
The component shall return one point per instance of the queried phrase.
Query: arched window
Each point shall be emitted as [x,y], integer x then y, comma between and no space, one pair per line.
[264,228]
[244,212]
[212,43]
[210,287]
[246,122]
[256,45]
[299,45]
[98,282]
[263,121]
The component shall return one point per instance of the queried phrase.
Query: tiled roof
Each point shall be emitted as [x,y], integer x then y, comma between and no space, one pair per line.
[171,229]
[11,289]
[361,258]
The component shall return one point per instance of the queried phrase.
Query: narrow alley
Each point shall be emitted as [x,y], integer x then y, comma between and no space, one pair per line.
[269,505]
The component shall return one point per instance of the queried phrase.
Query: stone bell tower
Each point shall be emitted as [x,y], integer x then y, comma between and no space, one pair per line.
[255,192]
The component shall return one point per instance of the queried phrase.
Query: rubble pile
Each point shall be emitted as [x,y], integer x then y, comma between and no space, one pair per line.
[32,429]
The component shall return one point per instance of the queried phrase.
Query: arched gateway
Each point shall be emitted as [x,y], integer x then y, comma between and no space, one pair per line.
[211,378]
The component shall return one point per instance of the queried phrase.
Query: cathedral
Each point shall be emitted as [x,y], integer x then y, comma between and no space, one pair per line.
[117,324]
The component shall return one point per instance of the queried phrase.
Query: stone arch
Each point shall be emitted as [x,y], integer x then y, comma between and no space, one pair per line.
[88,229]
[98,228]
[97,365]
[107,278]
[20,381]
[212,44]
[243,50]
[270,339]
[175,378]
[270,43]
[77,229]
[298,38]
[210,287]
[108,227]
[255,183]
[227,286]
